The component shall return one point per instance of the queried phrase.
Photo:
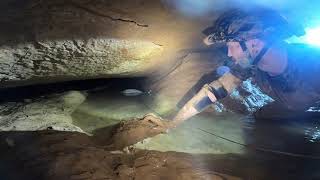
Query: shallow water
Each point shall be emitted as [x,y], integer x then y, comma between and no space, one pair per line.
[289,149]
[103,108]
[277,148]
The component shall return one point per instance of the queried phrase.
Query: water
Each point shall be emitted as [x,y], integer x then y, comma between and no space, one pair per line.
[108,106]
[105,108]
[294,138]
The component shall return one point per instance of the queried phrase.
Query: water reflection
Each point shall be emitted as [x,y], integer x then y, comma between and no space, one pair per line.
[293,137]
[296,135]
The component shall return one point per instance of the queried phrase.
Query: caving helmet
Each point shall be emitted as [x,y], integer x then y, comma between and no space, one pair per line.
[242,25]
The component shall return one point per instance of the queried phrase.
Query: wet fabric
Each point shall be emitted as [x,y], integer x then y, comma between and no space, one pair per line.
[298,87]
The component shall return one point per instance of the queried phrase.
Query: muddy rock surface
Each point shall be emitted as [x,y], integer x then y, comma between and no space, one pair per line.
[126,133]
[62,155]
[65,155]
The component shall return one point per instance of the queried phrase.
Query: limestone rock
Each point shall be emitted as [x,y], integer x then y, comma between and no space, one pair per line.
[61,40]
[74,59]
[40,114]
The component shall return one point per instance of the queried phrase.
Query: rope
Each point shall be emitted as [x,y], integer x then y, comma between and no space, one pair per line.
[263,149]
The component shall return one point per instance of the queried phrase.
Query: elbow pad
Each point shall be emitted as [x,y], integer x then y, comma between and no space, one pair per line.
[218,91]
[217,88]
[224,85]
[202,104]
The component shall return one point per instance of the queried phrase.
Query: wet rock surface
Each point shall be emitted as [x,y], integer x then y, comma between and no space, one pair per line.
[51,112]
[71,155]
[53,155]
[129,132]
[109,153]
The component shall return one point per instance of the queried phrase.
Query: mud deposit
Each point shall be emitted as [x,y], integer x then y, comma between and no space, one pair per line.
[127,133]
[107,155]
[66,155]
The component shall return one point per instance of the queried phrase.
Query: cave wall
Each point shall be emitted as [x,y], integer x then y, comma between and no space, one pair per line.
[63,40]
[60,40]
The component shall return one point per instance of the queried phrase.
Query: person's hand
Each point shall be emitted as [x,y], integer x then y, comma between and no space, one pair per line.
[168,125]
[160,123]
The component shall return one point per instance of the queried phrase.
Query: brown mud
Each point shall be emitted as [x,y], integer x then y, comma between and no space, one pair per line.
[70,155]
[127,133]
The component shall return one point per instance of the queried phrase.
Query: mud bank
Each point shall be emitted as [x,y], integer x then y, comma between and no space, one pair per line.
[72,155]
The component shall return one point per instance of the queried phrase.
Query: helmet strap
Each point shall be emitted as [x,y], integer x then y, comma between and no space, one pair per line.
[263,51]
[258,58]
[243,45]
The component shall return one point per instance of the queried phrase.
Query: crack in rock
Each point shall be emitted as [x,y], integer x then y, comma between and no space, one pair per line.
[158,44]
[104,15]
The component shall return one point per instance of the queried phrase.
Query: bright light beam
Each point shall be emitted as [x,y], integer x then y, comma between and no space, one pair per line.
[312,36]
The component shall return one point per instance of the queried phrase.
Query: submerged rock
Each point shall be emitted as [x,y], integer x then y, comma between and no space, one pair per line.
[52,113]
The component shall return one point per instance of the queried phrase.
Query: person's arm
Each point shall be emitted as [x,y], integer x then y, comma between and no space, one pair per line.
[208,94]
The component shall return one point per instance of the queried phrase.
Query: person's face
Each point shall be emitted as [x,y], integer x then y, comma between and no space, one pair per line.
[236,52]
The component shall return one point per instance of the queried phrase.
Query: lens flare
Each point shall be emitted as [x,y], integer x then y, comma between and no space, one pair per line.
[311,37]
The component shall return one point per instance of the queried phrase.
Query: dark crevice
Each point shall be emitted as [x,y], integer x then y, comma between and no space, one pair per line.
[17,94]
